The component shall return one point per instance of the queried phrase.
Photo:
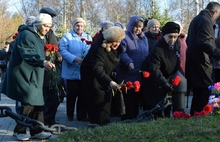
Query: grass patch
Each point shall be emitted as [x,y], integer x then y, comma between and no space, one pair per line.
[202,129]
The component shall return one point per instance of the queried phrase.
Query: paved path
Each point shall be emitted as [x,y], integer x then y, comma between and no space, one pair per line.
[7,124]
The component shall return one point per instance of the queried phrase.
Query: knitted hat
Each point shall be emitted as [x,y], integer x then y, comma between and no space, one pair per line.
[114,33]
[152,22]
[42,18]
[77,20]
[106,24]
[49,11]
[119,24]
[170,27]
[29,20]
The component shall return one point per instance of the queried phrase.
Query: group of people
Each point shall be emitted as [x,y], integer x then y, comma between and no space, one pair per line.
[164,55]
[88,63]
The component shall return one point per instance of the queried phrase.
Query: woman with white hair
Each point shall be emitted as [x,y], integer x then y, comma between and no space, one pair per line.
[25,74]
[74,48]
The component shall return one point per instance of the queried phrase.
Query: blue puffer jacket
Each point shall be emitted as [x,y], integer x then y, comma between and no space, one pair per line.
[135,49]
[71,46]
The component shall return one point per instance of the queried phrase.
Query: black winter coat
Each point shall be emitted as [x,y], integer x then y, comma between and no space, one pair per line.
[163,63]
[152,39]
[201,49]
[95,77]
[49,80]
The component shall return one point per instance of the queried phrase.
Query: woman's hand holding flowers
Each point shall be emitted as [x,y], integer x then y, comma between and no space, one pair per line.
[48,65]
[114,85]
[168,86]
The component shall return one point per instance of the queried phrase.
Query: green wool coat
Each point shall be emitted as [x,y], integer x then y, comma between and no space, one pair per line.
[24,75]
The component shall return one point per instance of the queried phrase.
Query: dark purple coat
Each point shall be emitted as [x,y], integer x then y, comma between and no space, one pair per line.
[135,49]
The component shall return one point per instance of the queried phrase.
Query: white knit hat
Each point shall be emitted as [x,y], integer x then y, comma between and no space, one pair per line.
[77,20]
[43,18]
[152,22]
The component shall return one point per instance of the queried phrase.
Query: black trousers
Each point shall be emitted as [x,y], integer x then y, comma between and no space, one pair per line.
[51,99]
[178,101]
[33,112]
[74,91]
[199,100]
[131,100]
[217,75]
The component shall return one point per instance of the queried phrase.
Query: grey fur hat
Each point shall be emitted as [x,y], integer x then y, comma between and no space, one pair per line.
[106,24]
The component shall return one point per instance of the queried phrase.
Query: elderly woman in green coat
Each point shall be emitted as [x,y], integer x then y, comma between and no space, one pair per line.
[24,76]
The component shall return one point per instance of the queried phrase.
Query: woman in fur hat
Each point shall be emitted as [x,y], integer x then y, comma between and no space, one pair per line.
[95,74]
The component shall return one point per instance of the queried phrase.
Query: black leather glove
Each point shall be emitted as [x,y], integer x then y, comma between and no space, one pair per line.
[168,87]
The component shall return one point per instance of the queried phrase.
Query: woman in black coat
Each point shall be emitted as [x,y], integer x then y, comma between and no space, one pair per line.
[95,74]
[162,63]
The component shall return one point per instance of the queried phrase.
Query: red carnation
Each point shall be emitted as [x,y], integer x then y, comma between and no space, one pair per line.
[207,109]
[83,39]
[177,115]
[146,74]
[198,114]
[88,42]
[186,115]
[129,84]
[55,48]
[137,86]
[123,88]
[202,113]
[48,47]
[15,35]
[158,37]
[176,81]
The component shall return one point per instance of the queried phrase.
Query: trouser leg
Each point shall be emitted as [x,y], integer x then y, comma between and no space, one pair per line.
[51,100]
[71,97]
[26,111]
